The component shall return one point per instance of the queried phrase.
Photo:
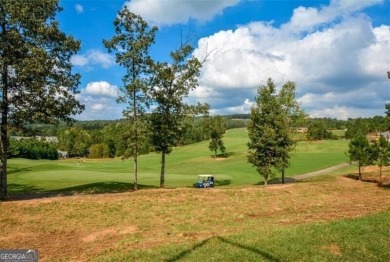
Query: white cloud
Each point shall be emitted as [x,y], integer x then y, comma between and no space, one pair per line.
[93,57]
[79,60]
[341,112]
[79,8]
[341,64]
[101,88]
[308,18]
[99,99]
[169,12]
[98,107]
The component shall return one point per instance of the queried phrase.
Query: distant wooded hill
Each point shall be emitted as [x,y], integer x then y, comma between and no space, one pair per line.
[364,125]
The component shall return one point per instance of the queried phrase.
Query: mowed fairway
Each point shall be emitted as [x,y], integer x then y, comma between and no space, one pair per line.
[184,164]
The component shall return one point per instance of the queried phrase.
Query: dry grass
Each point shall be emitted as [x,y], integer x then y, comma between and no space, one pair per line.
[80,228]
[371,174]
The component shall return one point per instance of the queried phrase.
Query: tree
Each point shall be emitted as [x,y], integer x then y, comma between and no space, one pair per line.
[269,142]
[381,154]
[318,131]
[171,83]
[361,152]
[356,126]
[36,80]
[295,115]
[387,112]
[216,130]
[131,46]
[75,140]
[99,151]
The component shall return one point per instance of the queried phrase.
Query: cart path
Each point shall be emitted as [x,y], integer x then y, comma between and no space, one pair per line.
[319,172]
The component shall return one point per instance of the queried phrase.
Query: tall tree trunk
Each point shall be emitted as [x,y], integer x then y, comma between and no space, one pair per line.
[135,122]
[265,179]
[136,158]
[215,154]
[135,173]
[282,176]
[380,174]
[3,136]
[4,150]
[360,173]
[162,175]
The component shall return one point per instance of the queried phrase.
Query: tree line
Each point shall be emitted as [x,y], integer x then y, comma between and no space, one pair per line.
[32,149]
[317,127]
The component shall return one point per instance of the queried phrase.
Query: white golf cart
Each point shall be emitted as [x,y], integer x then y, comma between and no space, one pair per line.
[205,181]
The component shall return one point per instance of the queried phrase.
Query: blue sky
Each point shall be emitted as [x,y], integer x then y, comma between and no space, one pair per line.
[337,52]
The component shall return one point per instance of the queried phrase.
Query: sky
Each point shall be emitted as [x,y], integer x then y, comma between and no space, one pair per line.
[337,52]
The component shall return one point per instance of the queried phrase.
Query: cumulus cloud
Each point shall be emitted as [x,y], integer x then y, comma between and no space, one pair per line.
[101,88]
[99,99]
[308,18]
[79,8]
[333,53]
[93,57]
[169,12]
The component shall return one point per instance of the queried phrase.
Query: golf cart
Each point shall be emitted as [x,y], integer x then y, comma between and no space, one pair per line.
[205,181]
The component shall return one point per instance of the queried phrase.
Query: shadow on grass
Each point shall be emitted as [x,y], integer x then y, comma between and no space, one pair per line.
[23,189]
[222,182]
[385,183]
[24,192]
[277,181]
[224,155]
[11,171]
[261,254]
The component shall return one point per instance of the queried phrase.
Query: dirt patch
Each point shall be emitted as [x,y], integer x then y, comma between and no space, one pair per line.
[99,235]
[333,249]
[220,158]
[128,230]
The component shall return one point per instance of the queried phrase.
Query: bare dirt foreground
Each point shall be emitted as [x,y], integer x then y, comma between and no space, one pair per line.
[80,228]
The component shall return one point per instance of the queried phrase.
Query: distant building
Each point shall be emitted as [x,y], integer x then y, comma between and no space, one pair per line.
[62,154]
[302,130]
[17,138]
[386,135]
[48,139]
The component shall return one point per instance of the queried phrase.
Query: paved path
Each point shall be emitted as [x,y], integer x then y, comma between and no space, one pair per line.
[319,172]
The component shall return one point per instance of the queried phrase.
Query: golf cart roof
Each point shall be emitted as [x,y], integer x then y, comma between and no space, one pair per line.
[206,175]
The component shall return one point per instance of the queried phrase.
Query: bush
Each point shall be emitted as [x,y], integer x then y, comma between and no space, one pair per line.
[32,149]
[99,151]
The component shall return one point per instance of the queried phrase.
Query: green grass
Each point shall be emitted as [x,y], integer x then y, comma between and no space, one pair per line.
[340,133]
[362,239]
[183,166]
